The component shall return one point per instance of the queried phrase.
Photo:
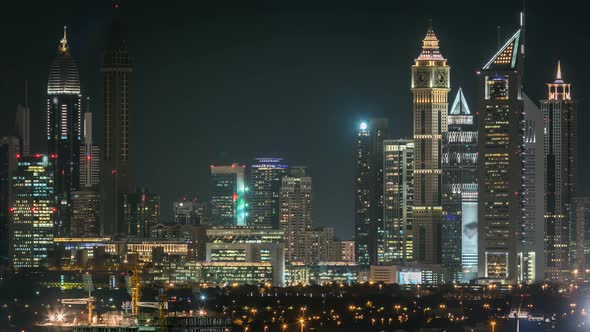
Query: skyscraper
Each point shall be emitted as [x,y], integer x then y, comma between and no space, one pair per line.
[559,113]
[510,188]
[430,87]
[189,212]
[580,237]
[64,130]
[32,212]
[228,206]
[115,177]
[142,212]
[85,214]
[296,212]
[459,192]
[9,150]
[264,191]
[368,184]
[89,157]
[398,197]
[23,125]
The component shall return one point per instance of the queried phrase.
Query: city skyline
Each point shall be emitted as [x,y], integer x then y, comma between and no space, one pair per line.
[371,62]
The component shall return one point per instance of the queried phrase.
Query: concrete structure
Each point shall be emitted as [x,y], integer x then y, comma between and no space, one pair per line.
[580,238]
[85,214]
[9,150]
[430,87]
[89,157]
[142,212]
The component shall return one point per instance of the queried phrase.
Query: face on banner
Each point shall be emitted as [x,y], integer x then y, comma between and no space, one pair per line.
[469,228]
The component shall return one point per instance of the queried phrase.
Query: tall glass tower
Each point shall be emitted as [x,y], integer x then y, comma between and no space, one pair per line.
[64,130]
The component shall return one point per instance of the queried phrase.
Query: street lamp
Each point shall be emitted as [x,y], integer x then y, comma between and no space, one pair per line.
[493,323]
[284,327]
[302,322]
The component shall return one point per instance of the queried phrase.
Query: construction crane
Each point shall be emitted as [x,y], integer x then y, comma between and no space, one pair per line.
[89,301]
[134,289]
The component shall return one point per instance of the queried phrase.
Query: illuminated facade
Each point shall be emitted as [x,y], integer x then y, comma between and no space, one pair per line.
[115,179]
[296,212]
[64,130]
[459,192]
[248,245]
[580,237]
[9,149]
[265,185]
[398,197]
[368,191]
[510,178]
[142,212]
[430,87]
[560,122]
[84,214]
[228,205]
[32,212]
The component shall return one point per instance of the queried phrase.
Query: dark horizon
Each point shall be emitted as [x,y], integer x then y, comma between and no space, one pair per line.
[213,84]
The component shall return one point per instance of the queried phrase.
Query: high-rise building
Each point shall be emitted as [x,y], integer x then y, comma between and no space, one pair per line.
[459,192]
[115,177]
[9,150]
[189,212]
[510,181]
[142,212]
[580,238]
[85,214]
[64,130]
[319,246]
[23,125]
[398,197]
[559,113]
[264,191]
[295,212]
[368,185]
[228,206]
[89,157]
[32,212]
[430,87]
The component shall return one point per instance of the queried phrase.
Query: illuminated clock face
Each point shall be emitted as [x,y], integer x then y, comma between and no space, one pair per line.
[441,78]
[421,78]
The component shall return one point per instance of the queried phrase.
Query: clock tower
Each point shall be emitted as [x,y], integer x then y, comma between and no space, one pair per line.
[430,87]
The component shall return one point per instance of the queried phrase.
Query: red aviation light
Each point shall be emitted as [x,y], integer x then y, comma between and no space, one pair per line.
[11,209]
[17,155]
[37,155]
[114,171]
[53,209]
[53,156]
[234,197]
[88,157]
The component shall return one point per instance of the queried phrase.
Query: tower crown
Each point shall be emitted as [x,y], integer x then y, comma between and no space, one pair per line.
[430,48]
[559,90]
[63,72]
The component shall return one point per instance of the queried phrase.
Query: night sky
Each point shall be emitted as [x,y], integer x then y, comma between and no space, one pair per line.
[220,81]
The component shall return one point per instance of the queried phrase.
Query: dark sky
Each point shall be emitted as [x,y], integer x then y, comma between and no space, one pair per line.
[227,81]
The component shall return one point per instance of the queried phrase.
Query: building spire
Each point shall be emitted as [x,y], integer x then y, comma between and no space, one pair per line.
[64,41]
[430,48]
[559,70]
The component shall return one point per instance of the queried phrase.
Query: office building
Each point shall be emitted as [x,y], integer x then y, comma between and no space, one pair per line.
[264,191]
[319,245]
[345,251]
[228,205]
[560,122]
[23,127]
[295,212]
[430,87]
[85,214]
[32,212]
[398,198]
[89,157]
[189,212]
[580,238]
[248,245]
[142,212]
[459,192]
[368,186]
[9,150]
[116,180]
[510,181]
[64,130]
